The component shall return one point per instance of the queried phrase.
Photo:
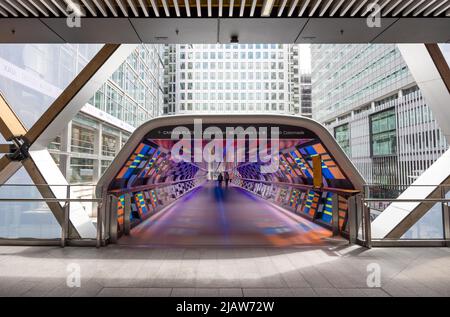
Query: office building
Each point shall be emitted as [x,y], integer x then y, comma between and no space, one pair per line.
[366,96]
[234,78]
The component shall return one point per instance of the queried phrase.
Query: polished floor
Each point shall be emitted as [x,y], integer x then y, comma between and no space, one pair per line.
[218,271]
[218,216]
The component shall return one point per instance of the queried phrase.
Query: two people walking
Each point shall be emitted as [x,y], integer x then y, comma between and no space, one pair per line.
[225,177]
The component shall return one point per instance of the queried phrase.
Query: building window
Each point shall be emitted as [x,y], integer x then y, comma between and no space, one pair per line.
[82,170]
[82,140]
[342,135]
[383,129]
[105,165]
[109,144]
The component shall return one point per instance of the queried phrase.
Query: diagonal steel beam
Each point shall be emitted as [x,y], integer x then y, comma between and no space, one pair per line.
[10,124]
[440,63]
[8,168]
[70,93]
[10,127]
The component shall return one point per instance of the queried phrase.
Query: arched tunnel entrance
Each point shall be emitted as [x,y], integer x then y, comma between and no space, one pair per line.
[229,180]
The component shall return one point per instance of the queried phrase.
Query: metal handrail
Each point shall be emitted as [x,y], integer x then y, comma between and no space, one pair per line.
[304,186]
[436,200]
[152,186]
[66,213]
[47,185]
[52,199]
[409,185]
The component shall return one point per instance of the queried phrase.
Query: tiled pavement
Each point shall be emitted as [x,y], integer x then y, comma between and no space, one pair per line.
[213,271]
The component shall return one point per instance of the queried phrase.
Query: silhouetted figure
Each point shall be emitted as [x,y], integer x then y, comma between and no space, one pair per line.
[220,179]
[227,179]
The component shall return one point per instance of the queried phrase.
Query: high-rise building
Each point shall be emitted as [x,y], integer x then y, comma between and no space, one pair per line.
[366,96]
[300,80]
[233,78]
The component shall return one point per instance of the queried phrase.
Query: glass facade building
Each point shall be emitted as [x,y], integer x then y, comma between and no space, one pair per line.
[366,96]
[233,78]
[132,96]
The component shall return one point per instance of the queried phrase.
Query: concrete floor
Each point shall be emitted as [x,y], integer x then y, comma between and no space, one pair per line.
[224,271]
[217,216]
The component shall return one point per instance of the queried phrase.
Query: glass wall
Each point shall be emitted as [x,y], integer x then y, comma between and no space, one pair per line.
[383,129]
[32,76]
[342,135]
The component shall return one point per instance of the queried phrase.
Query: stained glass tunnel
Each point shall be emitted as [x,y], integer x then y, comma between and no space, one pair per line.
[169,159]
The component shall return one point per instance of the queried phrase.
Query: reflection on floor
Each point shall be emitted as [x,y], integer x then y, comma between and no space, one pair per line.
[211,215]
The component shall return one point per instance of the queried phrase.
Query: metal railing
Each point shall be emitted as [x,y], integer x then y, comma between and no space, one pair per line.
[59,199]
[340,191]
[113,196]
[363,208]
[435,198]
[345,230]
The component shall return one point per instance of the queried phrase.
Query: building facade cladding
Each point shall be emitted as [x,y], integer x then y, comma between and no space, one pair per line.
[230,78]
[416,142]
[170,79]
[384,126]
[346,77]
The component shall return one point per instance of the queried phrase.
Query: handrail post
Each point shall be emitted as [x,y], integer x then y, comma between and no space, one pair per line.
[352,219]
[99,224]
[367,225]
[445,217]
[127,215]
[66,217]
[335,214]
[65,225]
[111,208]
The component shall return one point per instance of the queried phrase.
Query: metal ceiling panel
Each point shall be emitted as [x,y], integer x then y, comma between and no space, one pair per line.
[26,30]
[95,30]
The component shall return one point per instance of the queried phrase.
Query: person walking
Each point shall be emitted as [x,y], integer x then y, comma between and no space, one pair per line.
[220,179]
[227,179]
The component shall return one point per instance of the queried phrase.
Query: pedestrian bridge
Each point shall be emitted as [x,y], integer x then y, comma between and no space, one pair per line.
[290,183]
